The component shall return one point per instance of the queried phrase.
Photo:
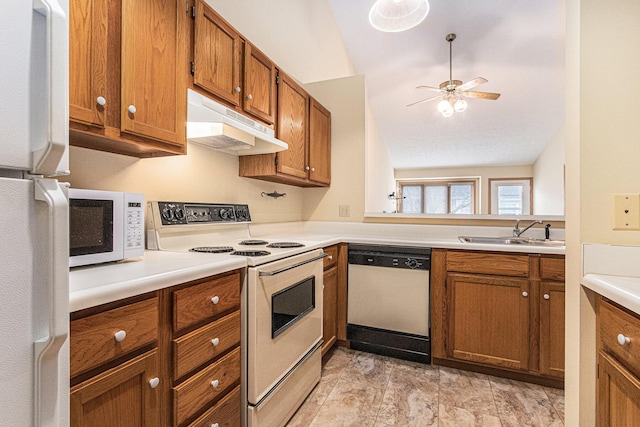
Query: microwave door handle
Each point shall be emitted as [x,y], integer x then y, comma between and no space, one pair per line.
[291,267]
[47,349]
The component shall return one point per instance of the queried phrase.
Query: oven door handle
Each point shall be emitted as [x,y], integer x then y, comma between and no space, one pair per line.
[291,267]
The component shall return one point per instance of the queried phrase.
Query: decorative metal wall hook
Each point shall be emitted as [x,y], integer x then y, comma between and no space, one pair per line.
[274,194]
[393,196]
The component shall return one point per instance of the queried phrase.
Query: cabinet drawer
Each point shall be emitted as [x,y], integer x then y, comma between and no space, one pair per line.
[487,263]
[208,299]
[195,393]
[225,413]
[552,268]
[196,348]
[613,321]
[92,338]
[332,259]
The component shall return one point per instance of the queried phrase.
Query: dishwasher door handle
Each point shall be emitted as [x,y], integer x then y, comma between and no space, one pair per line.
[291,267]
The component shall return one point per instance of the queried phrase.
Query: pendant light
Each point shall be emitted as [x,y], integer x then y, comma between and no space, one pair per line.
[393,16]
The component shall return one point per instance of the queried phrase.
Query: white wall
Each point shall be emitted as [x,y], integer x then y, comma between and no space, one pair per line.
[345,98]
[483,172]
[380,180]
[548,178]
[603,154]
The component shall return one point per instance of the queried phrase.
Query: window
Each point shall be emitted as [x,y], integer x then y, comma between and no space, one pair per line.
[437,197]
[512,196]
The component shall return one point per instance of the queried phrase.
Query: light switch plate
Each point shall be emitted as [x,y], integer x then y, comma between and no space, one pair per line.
[626,212]
[344,210]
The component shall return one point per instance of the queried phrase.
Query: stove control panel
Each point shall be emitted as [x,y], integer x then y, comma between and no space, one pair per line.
[178,213]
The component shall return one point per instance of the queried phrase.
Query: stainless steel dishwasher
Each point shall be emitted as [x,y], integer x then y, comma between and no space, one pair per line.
[388,301]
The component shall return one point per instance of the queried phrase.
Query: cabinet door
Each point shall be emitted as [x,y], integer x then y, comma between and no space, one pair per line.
[488,320]
[319,143]
[216,54]
[618,394]
[259,84]
[552,329]
[87,61]
[122,396]
[153,101]
[330,308]
[293,103]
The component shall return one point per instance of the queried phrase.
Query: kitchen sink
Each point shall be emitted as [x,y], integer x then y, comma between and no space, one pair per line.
[510,241]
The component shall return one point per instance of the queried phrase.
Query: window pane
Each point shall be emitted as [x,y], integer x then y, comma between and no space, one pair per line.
[412,199]
[461,198]
[436,199]
[510,199]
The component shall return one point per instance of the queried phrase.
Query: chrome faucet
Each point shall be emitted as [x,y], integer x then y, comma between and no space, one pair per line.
[516,230]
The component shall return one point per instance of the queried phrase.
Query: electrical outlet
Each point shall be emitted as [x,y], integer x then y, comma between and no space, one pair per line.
[626,212]
[344,210]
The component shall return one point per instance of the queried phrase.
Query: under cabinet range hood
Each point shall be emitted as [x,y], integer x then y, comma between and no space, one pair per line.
[213,125]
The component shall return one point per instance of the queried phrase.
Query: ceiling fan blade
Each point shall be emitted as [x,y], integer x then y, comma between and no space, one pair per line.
[424,100]
[471,84]
[429,88]
[482,95]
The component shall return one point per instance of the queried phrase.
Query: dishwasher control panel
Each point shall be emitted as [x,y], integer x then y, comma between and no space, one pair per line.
[413,258]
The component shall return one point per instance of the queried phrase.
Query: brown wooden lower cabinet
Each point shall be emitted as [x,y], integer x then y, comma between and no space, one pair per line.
[618,386]
[123,396]
[499,313]
[488,320]
[181,367]
[330,309]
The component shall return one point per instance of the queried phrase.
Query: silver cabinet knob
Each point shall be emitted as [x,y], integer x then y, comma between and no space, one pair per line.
[120,336]
[153,382]
[215,299]
[313,169]
[215,383]
[622,340]
[215,341]
[132,109]
[545,296]
[237,89]
[249,97]
[101,101]
[306,168]
[525,294]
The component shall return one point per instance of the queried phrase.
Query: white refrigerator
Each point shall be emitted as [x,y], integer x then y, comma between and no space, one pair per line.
[34,248]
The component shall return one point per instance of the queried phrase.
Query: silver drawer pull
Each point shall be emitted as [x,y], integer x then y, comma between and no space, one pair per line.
[283,269]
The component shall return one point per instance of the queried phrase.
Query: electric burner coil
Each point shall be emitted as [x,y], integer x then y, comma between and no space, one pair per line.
[212,249]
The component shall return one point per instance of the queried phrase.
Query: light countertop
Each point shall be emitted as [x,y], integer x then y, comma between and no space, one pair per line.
[619,289]
[99,284]
[94,285]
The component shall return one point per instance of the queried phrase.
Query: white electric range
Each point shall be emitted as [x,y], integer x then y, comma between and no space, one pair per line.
[281,300]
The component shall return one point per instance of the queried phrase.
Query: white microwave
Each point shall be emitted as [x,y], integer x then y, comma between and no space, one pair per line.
[104,226]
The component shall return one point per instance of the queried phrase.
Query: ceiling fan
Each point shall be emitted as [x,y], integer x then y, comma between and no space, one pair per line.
[452,92]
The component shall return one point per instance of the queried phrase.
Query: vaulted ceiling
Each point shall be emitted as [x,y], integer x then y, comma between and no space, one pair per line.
[517,45]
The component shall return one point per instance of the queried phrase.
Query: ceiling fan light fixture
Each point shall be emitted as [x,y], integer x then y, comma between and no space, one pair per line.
[460,105]
[448,113]
[392,16]
[444,105]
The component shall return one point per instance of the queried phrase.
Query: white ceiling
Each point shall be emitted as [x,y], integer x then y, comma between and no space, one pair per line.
[518,45]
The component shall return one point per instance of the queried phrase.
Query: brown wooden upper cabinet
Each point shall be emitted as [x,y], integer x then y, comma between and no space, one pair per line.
[217,51]
[127,90]
[219,68]
[305,125]
[259,84]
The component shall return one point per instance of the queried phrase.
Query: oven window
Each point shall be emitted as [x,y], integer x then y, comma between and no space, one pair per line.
[90,226]
[291,304]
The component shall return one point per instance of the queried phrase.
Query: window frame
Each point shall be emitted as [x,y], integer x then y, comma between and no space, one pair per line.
[474,182]
[509,181]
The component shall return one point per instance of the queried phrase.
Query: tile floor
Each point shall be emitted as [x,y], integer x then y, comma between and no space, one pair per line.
[362,389]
